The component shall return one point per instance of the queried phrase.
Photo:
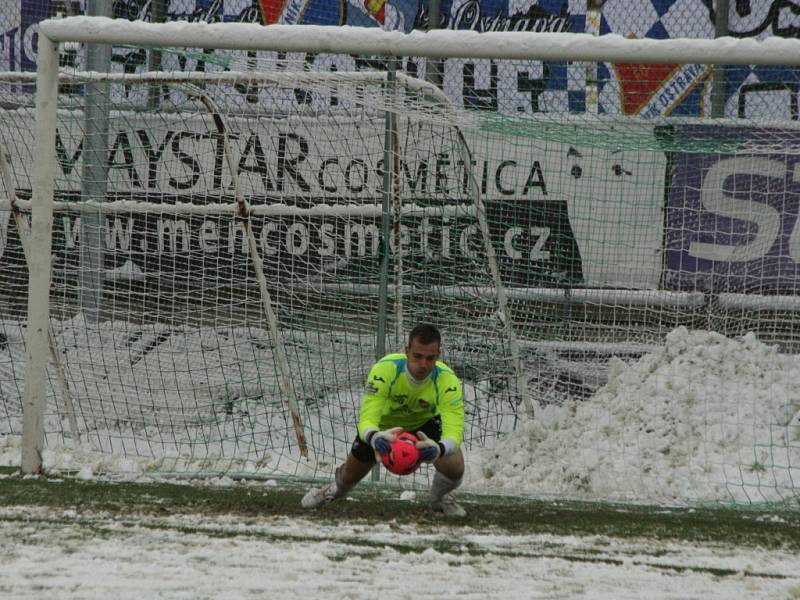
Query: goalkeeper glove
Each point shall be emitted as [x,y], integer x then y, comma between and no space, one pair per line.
[381,441]
[429,450]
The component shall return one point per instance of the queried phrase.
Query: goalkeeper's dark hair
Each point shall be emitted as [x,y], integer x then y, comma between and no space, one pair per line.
[425,333]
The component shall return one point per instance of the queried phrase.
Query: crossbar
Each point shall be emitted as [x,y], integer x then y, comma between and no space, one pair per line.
[432,44]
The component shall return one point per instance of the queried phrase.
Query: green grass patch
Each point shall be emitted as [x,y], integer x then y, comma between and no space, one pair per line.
[377,504]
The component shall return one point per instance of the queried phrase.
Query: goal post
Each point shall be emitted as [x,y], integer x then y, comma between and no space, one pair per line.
[434,132]
[276,200]
[39,264]
[544,46]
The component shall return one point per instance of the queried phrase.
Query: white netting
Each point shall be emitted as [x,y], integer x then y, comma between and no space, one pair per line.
[546,247]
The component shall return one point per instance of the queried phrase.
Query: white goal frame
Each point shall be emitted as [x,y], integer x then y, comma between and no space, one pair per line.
[343,40]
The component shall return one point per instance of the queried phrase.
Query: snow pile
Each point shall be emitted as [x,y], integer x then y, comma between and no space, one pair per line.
[705,418]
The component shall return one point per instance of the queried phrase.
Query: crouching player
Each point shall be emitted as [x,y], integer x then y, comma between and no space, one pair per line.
[414,392]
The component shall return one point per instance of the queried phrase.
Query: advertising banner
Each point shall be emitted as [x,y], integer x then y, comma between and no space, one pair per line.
[498,86]
[558,215]
[732,220]
[407,15]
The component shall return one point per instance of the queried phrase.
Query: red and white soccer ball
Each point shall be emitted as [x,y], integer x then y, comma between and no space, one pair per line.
[404,457]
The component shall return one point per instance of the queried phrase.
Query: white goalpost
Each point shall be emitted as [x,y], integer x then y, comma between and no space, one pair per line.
[280,206]
[375,103]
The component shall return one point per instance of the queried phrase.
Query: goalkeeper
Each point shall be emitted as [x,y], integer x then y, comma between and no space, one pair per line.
[414,392]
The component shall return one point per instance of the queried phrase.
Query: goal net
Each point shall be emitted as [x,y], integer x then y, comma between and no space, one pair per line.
[220,272]
[237,234]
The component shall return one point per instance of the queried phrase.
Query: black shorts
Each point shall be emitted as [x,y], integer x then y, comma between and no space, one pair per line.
[364,452]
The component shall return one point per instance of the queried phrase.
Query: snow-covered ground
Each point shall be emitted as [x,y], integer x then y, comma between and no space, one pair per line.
[66,554]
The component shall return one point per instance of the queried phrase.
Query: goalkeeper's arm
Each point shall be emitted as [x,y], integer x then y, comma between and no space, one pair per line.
[374,400]
[451,410]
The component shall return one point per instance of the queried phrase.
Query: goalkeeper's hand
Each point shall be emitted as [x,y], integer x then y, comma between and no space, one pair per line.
[429,450]
[381,441]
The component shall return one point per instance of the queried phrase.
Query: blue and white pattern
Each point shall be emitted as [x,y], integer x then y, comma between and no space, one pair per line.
[554,87]
[763,91]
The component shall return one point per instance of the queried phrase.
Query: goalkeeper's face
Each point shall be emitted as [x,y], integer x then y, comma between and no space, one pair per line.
[421,358]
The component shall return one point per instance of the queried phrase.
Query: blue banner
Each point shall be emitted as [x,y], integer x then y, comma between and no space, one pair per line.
[407,15]
[732,220]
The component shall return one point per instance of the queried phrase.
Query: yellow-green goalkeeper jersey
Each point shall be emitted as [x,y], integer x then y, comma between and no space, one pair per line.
[392,400]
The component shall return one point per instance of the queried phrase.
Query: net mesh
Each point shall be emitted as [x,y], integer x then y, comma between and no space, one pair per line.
[554,249]
[159,315]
